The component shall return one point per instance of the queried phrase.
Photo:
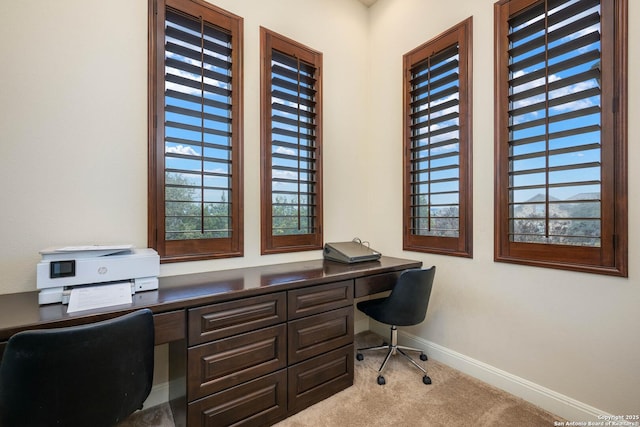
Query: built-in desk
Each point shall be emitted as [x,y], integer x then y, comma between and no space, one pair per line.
[255,344]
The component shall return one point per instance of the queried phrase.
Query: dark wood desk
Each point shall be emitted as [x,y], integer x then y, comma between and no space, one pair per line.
[290,324]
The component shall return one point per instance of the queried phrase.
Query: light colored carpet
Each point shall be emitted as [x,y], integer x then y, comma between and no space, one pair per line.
[156,416]
[454,399]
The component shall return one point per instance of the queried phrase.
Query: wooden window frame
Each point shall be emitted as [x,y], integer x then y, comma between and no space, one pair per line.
[206,248]
[462,245]
[611,257]
[271,244]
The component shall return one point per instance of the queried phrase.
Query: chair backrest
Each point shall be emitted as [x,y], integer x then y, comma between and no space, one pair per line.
[408,301]
[89,375]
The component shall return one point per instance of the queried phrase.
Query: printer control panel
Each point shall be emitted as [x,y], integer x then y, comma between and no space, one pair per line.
[59,269]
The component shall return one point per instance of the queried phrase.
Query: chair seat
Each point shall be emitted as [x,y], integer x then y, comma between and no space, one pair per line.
[376,309]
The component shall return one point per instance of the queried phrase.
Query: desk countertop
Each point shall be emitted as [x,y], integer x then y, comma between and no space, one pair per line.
[21,311]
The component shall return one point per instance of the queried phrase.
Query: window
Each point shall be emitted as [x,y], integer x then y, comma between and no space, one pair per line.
[195,131]
[291,145]
[437,144]
[561,101]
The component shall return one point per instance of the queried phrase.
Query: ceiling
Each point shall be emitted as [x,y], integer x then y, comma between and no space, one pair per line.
[367,2]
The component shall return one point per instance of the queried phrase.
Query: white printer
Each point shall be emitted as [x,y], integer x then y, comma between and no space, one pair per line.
[61,269]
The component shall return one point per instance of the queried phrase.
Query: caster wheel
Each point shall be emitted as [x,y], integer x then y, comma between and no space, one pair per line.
[381,380]
[359,356]
[423,357]
[426,380]
[386,344]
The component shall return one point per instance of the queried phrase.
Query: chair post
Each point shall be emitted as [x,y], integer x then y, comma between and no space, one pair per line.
[394,339]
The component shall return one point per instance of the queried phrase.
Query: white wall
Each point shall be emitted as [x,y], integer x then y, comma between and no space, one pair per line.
[73,150]
[72,112]
[73,127]
[574,333]
[73,105]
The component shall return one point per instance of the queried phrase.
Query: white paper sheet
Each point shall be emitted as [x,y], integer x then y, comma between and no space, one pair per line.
[97,248]
[90,297]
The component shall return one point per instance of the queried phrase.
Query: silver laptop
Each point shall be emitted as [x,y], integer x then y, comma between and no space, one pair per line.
[350,252]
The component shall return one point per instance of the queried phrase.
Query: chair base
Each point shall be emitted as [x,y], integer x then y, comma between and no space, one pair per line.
[392,349]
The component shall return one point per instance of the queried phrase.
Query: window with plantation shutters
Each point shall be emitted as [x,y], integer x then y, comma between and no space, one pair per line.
[291,145]
[437,153]
[195,146]
[561,134]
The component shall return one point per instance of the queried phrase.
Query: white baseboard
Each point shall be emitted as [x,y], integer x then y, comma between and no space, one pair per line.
[549,400]
[159,394]
[360,325]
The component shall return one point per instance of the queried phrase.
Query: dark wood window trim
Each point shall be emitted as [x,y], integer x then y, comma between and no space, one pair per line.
[609,255]
[225,240]
[292,155]
[437,166]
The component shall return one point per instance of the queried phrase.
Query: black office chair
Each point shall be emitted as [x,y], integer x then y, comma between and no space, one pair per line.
[405,306]
[89,375]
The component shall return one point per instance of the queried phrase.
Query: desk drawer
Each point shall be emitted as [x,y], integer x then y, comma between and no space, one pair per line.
[259,402]
[318,378]
[376,283]
[318,334]
[231,361]
[170,326]
[225,319]
[317,299]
